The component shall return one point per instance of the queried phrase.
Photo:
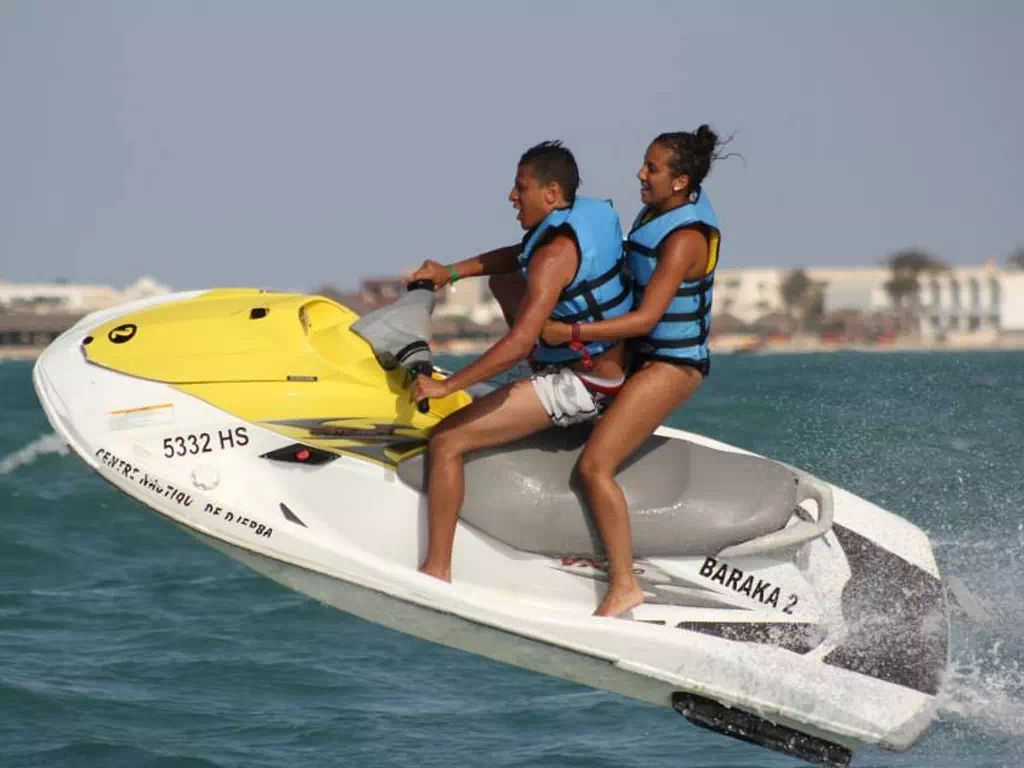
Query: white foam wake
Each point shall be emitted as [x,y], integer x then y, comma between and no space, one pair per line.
[42,445]
[988,691]
[985,682]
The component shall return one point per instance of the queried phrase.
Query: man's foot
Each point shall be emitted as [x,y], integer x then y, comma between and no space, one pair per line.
[444,574]
[619,600]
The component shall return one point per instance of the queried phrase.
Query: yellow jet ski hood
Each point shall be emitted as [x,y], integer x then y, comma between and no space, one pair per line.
[232,335]
[267,358]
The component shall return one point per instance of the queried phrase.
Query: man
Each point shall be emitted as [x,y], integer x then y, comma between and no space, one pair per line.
[568,268]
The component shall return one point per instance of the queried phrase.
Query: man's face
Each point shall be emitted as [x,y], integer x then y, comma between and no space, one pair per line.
[530,199]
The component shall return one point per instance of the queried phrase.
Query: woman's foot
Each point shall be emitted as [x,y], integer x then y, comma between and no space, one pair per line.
[618,600]
[438,572]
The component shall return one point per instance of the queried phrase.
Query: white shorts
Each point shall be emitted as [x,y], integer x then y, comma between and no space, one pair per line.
[567,399]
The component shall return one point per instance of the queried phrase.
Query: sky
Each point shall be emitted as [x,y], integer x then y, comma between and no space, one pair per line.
[288,145]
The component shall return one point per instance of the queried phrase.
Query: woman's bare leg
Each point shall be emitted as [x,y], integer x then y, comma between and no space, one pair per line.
[646,400]
[507,414]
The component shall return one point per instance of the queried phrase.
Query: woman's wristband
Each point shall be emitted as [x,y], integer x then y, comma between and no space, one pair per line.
[454,274]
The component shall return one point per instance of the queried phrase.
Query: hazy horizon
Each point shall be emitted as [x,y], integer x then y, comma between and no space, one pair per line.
[286,146]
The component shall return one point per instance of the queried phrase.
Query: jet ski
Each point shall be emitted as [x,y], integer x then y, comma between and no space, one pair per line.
[278,429]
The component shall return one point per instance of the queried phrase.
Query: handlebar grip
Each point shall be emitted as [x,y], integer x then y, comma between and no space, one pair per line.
[416,285]
[422,369]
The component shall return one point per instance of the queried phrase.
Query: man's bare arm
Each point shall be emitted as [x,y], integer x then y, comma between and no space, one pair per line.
[500,261]
[552,267]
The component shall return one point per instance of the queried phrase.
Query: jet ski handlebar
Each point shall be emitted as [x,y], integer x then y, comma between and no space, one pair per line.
[416,285]
[400,332]
[421,368]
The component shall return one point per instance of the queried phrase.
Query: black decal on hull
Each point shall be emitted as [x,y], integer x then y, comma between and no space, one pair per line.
[385,443]
[800,637]
[897,615]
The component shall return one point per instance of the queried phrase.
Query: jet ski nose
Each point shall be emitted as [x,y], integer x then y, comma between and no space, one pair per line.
[52,374]
[61,381]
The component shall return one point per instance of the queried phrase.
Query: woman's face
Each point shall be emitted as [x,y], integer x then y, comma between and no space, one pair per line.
[657,184]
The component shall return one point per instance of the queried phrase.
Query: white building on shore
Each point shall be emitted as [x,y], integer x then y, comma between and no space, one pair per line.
[72,298]
[960,300]
[971,300]
[1011,306]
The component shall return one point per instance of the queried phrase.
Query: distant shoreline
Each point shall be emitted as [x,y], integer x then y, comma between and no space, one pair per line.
[728,346]
[19,353]
[724,347]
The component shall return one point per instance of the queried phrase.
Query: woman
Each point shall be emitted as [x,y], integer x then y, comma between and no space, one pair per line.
[672,251]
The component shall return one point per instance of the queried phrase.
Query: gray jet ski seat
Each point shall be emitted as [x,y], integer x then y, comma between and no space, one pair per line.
[684,499]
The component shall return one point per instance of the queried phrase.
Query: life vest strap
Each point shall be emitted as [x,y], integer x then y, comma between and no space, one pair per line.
[588,286]
[697,289]
[694,341]
[641,249]
[601,308]
[702,311]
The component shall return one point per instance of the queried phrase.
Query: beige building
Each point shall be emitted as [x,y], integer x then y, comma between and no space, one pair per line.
[71,298]
[1011,308]
[861,289]
[748,294]
[470,298]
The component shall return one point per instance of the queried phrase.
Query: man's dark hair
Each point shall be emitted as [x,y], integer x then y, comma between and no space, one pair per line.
[550,161]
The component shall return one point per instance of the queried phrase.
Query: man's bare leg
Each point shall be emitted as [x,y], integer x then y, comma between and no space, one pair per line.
[507,414]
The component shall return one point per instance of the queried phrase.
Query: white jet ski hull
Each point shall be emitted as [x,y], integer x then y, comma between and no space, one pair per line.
[350,534]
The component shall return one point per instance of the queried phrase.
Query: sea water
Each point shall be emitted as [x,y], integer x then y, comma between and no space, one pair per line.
[126,642]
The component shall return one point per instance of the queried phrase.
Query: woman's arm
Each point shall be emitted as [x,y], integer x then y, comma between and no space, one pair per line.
[683,256]
[500,261]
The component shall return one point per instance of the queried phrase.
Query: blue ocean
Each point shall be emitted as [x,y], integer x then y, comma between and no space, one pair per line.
[125,642]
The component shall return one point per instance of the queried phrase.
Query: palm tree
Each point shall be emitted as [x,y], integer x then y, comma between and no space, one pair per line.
[793,289]
[1016,259]
[906,266]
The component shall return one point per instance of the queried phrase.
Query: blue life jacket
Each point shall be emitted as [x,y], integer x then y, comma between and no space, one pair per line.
[681,336]
[600,289]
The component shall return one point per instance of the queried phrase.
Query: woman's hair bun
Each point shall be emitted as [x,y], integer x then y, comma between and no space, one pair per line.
[705,140]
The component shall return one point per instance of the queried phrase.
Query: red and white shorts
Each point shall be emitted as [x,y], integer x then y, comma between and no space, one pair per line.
[573,398]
